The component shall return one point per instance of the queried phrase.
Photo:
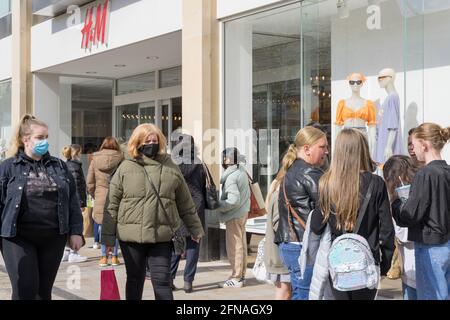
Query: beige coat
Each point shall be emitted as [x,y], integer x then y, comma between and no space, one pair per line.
[102,165]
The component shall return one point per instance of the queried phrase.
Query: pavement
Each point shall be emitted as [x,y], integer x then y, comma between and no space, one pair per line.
[81,281]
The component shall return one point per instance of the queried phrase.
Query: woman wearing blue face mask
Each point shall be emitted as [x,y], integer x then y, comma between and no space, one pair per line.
[40,211]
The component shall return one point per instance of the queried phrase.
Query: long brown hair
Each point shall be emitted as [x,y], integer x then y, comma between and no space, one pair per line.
[305,136]
[339,186]
[110,143]
[23,129]
[396,168]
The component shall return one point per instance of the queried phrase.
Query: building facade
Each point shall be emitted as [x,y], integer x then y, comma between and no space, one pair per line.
[232,73]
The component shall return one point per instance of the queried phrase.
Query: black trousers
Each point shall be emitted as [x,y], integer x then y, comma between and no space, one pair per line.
[158,255]
[32,259]
[363,294]
[192,253]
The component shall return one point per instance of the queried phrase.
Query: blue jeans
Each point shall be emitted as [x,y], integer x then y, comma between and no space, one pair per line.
[192,253]
[96,232]
[432,271]
[116,247]
[289,253]
[409,293]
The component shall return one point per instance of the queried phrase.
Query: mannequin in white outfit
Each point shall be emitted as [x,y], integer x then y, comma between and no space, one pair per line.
[355,103]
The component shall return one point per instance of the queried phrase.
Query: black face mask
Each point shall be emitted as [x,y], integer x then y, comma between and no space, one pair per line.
[149,150]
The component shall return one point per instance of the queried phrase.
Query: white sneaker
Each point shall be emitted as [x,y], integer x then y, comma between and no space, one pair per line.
[65,256]
[75,258]
[233,283]
[96,245]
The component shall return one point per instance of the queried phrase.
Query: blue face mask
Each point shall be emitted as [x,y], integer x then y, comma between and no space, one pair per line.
[41,148]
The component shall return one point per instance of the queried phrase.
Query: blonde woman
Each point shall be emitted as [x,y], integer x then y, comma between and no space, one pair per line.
[40,212]
[299,178]
[72,154]
[426,213]
[148,199]
[342,189]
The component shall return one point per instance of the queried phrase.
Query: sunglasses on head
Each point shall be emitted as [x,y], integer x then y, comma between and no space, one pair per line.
[383,77]
[358,82]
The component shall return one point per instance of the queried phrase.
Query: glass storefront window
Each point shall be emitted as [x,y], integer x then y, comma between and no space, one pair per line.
[5,117]
[5,7]
[288,67]
[170,77]
[263,87]
[5,19]
[91,111]
[127,120]
[139,83]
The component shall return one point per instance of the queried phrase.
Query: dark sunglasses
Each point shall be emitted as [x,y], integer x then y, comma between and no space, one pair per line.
[384,77]
[358,82]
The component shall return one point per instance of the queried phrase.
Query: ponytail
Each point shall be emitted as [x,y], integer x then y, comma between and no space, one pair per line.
[69,152]
[286,163]
[23,129]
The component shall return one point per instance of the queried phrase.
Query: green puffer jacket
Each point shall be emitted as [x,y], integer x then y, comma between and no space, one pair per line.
[133,213]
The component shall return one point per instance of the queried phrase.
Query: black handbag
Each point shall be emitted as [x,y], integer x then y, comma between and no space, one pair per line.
[211,196]
[178,239]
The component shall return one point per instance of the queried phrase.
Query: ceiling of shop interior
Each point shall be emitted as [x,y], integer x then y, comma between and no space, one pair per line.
[167,48]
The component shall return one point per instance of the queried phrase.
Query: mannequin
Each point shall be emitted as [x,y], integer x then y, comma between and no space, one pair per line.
[357,112]
[389,139]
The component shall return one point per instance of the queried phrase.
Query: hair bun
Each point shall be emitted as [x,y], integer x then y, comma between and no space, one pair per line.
[27,118]
[445,133]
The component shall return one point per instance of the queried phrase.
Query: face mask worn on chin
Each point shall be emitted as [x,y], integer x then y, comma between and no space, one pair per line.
[150,150]
[41,148]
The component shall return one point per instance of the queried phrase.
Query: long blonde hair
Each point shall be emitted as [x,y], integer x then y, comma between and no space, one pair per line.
[141,133]
[437,136]
[339,186]
[22,130]
[305,136]
[72,151]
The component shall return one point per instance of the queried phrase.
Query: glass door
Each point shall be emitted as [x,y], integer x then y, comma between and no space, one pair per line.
[147,112]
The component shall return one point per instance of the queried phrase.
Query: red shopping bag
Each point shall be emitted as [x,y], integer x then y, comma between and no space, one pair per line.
[109,289]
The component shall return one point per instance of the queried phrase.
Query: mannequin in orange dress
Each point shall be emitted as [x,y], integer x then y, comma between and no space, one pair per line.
[357,112]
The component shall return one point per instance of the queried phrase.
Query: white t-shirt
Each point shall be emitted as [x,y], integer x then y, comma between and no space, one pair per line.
[406,250]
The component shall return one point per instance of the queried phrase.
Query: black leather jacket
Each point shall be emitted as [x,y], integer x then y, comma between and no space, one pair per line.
[75,168]
[302,191]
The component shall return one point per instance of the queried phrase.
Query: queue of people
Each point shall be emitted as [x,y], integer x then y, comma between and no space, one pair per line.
[143,197]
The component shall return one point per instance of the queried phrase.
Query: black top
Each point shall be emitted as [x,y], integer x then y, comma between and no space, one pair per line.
[39,208]
[76,169]
[302,184]
[427,211]
[376,227]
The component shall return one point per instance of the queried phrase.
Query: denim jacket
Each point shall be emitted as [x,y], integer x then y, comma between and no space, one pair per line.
[13,178]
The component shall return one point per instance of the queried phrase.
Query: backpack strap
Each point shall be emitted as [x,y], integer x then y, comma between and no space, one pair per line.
[362,209]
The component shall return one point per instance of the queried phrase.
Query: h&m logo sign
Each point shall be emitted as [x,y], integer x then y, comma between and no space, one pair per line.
[96,25]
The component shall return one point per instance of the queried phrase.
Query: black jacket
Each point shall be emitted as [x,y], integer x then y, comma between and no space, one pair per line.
[376,227]
[76,169]
[427,211]
[195,178]
[13,177]
[302,184]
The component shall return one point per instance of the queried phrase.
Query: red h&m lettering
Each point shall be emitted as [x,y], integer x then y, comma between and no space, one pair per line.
[100,23]
[95,34]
